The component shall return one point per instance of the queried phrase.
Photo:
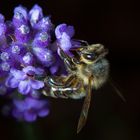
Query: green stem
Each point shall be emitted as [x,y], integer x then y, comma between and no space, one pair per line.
[27,132]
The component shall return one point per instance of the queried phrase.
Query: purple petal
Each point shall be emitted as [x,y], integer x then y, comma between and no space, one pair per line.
[35,14]
[35,94]
[11,82]
[35,103]
[65,42]
[19,75]
[43,112]
[28,69]
[39,71]
[31,102]
[35,84]
[2,29]
[70,31]
[30,116]
[42,39]
[24,87]
[54,69]
[5,66]
[59,30]
[22,34]
[17,114]
[20,105]
[2,18]
[32,70]
[24,29]
[22,10]
[18,49]
[63,28]
[44,55]
[20,16]
[4,56]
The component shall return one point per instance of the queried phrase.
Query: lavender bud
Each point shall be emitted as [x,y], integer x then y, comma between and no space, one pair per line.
[2,29]
[5,66]
[15,49]
[4,56]
[42,39]
[45,56]
[35,14]
[63,28]
[24,29]
[28,58]
[45,24]
[22,33]
[20,16]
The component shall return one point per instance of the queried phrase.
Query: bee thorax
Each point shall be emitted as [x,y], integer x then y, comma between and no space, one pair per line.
[100,71]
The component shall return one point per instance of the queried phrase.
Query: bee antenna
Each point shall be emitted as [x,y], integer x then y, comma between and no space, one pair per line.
[82,41]
[113,84]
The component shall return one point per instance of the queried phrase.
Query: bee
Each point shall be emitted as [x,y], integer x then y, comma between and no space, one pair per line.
[87,69]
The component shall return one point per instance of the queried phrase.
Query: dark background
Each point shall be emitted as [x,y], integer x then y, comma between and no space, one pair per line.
[116,25]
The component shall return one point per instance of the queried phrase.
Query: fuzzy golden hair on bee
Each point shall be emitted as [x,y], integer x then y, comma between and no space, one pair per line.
[93,63]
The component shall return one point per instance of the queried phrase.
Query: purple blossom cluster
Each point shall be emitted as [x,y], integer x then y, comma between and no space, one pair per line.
[28,52]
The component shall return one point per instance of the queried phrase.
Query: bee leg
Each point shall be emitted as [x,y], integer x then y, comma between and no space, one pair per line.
[60,87]
[70,80]
[85,108]
[60,82]
[67,60]
[76,49]
[63,55]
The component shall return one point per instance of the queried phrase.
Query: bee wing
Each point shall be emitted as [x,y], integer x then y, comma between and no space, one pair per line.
[85,108]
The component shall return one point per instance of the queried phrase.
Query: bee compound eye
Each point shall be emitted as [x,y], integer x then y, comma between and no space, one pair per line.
[91,56]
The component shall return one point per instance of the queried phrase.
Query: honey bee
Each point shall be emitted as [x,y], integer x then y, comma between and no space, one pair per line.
[87,69]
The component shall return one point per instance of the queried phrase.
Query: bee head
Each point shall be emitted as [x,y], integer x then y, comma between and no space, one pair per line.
[93,53]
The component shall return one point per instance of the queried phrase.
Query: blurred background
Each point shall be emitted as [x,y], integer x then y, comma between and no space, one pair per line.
[116,25]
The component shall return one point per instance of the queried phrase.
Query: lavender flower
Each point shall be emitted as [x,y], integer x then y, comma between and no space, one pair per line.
[64,34]
[64,29]
[29,51]
[29,109]
[24,79]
